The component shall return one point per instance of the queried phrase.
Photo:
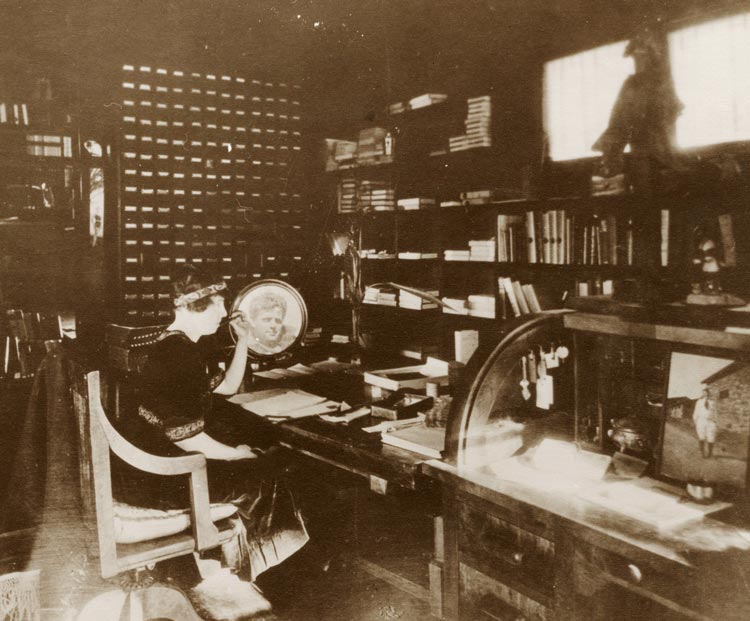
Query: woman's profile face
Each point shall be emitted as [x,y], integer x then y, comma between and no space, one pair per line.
[211,317]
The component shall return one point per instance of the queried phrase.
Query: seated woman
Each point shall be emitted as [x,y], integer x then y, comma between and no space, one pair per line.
[178,385]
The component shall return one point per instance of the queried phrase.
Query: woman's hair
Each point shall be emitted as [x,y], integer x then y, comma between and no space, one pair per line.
[189,278]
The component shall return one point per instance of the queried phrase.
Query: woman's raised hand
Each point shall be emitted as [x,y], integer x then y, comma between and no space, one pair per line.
[240,325]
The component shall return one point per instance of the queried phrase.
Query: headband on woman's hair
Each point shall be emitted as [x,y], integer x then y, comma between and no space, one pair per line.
[194,296]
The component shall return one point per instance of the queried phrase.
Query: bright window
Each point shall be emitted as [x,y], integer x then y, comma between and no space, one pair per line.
[579,92]
[711,69]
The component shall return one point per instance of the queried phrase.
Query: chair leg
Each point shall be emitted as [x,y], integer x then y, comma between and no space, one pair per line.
[155,602]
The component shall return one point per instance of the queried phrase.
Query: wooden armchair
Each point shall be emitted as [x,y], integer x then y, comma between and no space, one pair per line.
[99,437]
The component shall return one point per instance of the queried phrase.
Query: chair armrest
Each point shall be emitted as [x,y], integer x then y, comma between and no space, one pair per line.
[205,533]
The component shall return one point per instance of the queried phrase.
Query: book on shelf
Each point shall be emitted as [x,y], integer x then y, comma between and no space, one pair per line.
[457,255]
[531,298]
[510,295]
[465,343]
[520,297]
[456,306]
[427,99]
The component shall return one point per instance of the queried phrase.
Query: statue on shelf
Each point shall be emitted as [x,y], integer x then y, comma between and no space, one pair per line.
[644,117]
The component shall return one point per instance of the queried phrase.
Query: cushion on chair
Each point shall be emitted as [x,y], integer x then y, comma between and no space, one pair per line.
[134,524]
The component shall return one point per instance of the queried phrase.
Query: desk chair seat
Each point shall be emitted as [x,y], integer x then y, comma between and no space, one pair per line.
[115,559]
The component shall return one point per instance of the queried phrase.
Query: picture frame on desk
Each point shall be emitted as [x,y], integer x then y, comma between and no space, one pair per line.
[705,428]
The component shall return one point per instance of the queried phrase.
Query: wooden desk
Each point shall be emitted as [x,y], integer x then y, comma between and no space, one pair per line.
[387,471]
[514,551]
[322,441]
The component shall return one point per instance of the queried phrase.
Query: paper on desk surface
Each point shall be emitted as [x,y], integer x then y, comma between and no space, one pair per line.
[277,402]
[298,370]
[258,395]
[325,407]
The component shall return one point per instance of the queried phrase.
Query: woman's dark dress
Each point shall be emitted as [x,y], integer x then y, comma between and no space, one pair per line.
[175,403]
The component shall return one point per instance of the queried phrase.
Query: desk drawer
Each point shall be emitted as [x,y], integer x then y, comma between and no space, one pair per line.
[670,587]
[511,550]
[482,597]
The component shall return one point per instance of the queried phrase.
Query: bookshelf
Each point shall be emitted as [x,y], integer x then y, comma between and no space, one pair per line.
[44,184]
[209,174]
[579,250]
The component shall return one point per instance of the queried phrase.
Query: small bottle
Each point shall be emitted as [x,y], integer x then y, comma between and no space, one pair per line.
[388,144]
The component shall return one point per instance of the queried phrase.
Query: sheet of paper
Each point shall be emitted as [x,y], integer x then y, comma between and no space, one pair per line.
[326,407]
[302,369]
[330,365]
[258,395]
[282,405]
[274,374]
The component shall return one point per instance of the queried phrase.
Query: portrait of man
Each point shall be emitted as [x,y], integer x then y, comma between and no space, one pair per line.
[271,329]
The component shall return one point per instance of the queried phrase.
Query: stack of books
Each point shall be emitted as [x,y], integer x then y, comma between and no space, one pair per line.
[480,305]
[458,306]
[478,122]
[416,255]
[340,153]
[456,255]
[478,125]
[347,195]
[414,302]
[371,253]
[428,99]
[477,197]
[371,145]
[382,296]
[312,336]
[409,204]
[376,196]
[482,250]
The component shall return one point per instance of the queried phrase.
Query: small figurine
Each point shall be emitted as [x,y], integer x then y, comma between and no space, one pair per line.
[709,267]
[706,290]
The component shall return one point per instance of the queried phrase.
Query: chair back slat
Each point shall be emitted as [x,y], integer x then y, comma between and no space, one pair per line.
[102,479]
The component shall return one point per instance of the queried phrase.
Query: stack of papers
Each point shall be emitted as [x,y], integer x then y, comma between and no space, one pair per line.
[278,404]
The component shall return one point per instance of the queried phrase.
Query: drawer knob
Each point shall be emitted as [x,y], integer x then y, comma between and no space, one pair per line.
[635,573]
